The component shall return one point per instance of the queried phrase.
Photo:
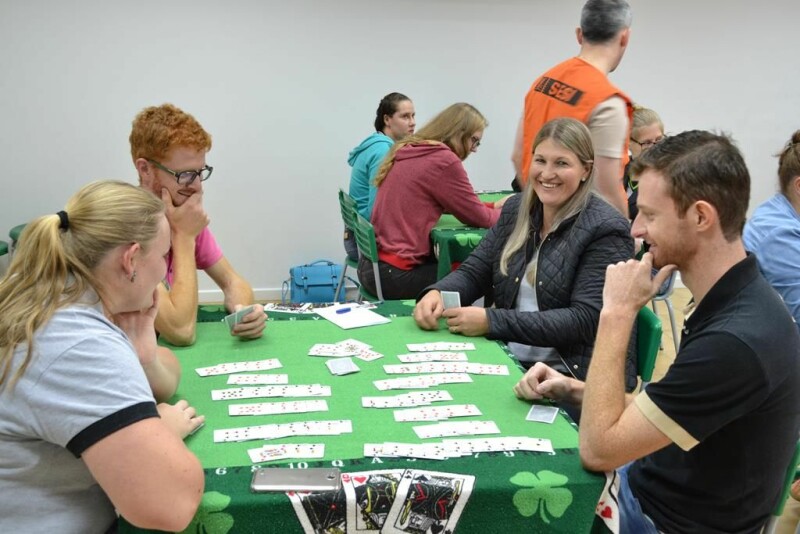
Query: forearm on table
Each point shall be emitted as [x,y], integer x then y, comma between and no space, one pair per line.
[163,374]
[177,310]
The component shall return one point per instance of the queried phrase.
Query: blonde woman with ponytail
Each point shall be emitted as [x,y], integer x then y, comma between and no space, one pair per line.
[422,177]
[541,267]
[80,430]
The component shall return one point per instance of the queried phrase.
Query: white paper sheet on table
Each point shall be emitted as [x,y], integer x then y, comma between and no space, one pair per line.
[355,318]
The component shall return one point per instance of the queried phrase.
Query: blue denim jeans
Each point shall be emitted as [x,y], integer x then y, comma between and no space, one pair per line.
[631,518]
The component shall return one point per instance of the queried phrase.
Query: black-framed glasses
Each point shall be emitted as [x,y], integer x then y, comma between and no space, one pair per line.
[476,142]
[186,177]
[647,144]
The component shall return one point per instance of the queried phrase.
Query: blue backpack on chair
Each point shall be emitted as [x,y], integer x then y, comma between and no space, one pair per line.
[314,282]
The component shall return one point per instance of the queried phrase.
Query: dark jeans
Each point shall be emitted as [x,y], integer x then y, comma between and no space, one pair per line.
[396,283]
[350,244]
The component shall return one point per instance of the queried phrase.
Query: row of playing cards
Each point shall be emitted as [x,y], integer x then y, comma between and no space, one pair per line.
[392,501]
[452,448]
[439,346]
[422,381]
[286,451]
[239,367]
[405,400]
[284,430]
[446,367]
[296,390]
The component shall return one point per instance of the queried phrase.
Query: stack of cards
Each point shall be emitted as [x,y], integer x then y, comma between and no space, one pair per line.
[286,451]
[236,317]
[390,501]
[451,299]
[342,366]
[542,414]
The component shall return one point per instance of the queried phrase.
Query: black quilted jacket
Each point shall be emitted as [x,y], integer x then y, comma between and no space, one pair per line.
[569,285]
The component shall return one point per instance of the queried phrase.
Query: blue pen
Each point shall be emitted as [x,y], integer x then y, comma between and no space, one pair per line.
[343,310]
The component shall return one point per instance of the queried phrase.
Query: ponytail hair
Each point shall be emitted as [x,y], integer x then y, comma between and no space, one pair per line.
[789,163]
[54,264]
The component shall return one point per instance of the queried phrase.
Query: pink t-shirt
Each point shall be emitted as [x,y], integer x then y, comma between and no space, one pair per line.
[206,253]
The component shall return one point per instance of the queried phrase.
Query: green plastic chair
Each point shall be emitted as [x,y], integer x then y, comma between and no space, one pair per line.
[3,248]
[648,341]
[14,234]
[348,209]
[792,473]
[367,247]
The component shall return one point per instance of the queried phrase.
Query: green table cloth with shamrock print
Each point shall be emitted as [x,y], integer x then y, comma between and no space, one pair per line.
[514,491]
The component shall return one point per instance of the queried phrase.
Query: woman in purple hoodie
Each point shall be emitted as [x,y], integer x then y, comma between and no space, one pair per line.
[421,178]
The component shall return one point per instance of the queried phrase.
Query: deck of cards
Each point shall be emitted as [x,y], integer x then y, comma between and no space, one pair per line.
[237,316]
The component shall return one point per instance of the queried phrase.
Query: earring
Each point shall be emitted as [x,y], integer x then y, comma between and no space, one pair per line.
[133,277]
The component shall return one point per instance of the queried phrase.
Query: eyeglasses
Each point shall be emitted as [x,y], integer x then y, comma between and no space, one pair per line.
[647,144]
[476,142]
[186,177]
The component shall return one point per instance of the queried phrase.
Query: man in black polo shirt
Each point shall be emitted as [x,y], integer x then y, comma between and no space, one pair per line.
[704,449]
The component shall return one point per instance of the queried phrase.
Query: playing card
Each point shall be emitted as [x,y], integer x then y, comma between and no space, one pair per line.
[428,502]
[542,414]
[451,299]
[322,512]
[343,366]
[286,451]
[370,495]
[236,317]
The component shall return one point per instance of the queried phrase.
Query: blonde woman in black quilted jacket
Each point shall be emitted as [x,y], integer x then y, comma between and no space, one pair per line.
[541,268]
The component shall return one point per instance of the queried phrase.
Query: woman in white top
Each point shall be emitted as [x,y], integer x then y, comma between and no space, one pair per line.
[80,430]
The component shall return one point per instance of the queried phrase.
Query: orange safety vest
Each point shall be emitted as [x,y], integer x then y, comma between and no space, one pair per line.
[574,89]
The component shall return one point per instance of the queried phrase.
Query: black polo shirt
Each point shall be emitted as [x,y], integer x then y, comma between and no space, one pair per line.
[731,405]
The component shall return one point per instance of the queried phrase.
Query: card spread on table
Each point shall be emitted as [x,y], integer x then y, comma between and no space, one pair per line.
[346,348]
[411,399]
[342,366]
[467,428]
[422,381]
[273,408]
[286,451]
[542,414]
[239,367]
[438,346]
[236,317]
[283,430]
[451,299]
[446,367]
[441,356]
[392,500]
[436,413]
[252,380]
[298,390]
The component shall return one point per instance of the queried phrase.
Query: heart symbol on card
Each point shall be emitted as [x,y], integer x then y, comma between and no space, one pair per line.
[360,480]
[607,512]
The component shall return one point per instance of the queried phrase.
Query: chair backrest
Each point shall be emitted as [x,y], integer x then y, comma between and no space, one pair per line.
[3,248]
[666,289]
[365,238]
[791,473]
[347,206]
[648,341]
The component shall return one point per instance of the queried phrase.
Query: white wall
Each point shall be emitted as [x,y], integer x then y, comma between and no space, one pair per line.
[288,88]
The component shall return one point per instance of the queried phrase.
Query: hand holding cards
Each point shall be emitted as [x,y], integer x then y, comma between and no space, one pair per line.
[451,299]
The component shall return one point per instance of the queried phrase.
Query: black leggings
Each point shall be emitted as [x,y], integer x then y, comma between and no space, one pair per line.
[397,283]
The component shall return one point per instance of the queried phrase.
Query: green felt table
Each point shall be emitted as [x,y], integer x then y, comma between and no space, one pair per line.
[453,241]
[514,491]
